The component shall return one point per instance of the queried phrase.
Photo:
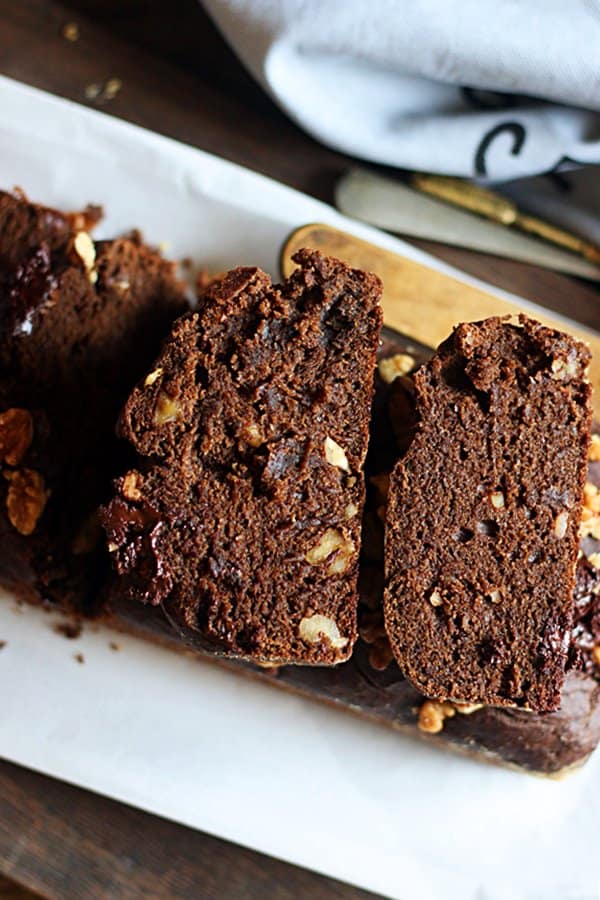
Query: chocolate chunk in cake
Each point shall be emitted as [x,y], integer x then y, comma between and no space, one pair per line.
[483,516]
[243,514]
[79,323]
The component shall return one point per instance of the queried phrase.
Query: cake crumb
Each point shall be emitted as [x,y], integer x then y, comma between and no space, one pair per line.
[114,646]
[70,630]
[79,657]
[2,645]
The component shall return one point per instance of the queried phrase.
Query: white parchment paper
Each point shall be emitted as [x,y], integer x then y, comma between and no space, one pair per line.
[207,748]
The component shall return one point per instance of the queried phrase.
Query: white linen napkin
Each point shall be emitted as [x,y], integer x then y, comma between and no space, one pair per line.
[490,89]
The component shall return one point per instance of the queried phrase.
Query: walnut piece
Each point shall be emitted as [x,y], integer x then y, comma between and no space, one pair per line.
[153,376]
[167,410]
[497,499]
[466,709]
[594,454]
[331,542]
[432,714]
[560,524]
[86,251]
[395,366]
[131,486]
[253,435]
[563,369]
[16,435]
[26,499]
[435,598]
[314,629]
[335,455]
[594,560]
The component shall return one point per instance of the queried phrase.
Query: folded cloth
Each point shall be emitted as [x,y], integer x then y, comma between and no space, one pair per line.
[498,89]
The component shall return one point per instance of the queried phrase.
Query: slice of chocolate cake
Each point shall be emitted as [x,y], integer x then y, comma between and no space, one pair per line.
[243,515]
[483,516]
[79,323]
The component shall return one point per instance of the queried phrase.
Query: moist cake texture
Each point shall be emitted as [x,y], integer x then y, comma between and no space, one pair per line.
[79,323]
[483,516]
[242,516]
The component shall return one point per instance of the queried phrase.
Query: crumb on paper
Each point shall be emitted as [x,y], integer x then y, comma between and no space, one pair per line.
[80,657]
[114,646]
[70,31]
[70,630]
[186,263]
[2,645]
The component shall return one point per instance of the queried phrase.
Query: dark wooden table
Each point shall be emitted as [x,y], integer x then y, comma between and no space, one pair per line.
[179,78]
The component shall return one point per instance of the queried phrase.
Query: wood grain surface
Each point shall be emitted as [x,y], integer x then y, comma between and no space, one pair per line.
[179,78]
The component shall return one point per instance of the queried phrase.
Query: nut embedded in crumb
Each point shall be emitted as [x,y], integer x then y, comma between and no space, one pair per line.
[432,714]
[596,655]
[395,366]
[253,435]
[497,499]
[494,596]
[350,510]
[313,629]
[131,486]
[153,376]
[26,498]
[594,454]
[86,251]
[560,524]
[562,369]
[331,542]
[435,598]
[167,410]
[16,435]
[335,455]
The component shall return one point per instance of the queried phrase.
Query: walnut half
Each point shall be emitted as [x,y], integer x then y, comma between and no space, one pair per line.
[26,499]
[16,435]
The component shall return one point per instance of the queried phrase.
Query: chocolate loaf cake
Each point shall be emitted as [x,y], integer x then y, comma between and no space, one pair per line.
[243,514]
[370,684]
[79,323]
[483,517]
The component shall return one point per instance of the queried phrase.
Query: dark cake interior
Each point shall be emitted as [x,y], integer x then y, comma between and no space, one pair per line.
[483,517]
[79,323]
[243,514]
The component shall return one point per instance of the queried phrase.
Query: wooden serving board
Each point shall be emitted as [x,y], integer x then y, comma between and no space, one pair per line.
[424,303]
